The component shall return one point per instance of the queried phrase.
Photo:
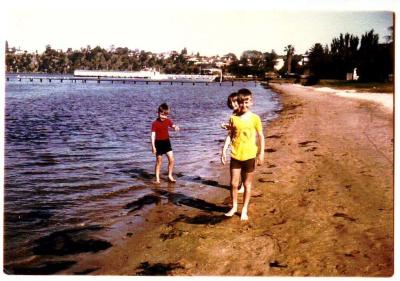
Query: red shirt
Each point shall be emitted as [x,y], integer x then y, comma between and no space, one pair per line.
[161,128]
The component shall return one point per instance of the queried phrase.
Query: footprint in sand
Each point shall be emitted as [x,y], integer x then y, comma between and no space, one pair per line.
[345,216]
[266,180]
[274,137]
[306,143]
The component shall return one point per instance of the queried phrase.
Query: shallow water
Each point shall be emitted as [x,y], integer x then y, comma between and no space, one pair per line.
[78,153]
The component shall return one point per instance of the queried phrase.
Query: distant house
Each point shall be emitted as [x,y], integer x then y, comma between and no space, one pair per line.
[280,62]
[194,60]
[304,60]
[350,76]
[220,64]
[15,51]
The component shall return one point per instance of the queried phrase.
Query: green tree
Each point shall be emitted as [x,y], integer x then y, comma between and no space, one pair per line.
[270,60]
[318,58]
[373,64]
[344,50]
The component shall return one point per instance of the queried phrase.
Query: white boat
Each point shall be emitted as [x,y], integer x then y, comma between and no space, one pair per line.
[144,74]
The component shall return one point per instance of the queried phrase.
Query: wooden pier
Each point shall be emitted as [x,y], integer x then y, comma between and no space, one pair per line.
[99,80]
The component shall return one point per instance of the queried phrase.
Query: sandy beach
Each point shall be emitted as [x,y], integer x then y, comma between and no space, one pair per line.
[322,203]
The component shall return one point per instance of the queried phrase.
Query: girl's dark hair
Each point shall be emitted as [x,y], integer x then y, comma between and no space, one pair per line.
[163,107]
[231,97]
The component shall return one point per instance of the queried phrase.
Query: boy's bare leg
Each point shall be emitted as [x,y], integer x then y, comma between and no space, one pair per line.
[158,167]
[171,162]
[235,177]
[241,184]
[248,182]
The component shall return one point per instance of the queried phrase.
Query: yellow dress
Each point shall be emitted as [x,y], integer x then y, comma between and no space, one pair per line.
[243,136]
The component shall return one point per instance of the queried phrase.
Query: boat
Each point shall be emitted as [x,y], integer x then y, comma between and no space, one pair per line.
[146,74]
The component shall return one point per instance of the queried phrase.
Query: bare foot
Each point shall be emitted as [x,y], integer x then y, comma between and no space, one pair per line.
[231,212]
[244,216]
[241,190]
[171,179]
[156,182]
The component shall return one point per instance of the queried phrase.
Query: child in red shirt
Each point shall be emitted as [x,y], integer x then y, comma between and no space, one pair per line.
[160,141]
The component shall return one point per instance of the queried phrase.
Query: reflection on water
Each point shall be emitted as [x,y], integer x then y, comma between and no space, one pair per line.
[79,154]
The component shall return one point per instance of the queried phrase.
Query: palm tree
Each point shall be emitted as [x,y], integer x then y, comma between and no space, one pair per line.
[289,49]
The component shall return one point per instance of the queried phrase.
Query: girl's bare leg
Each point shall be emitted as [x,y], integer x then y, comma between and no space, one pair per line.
[235,177]
[158,167]
[171,162]
[248,182]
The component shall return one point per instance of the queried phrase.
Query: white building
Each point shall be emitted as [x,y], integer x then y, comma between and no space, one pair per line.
[279,64]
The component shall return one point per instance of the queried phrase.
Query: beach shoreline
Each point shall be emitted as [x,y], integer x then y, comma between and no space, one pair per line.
[322,204]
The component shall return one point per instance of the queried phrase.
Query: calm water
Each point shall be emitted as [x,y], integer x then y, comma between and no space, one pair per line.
[76,154]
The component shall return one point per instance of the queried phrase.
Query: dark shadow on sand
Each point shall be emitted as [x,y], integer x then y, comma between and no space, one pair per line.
[201,219]
[143,175]
[141,202]
[157,268]
[200,180]
[180,199]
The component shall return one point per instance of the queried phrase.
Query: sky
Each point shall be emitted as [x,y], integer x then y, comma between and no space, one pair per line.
[209,27]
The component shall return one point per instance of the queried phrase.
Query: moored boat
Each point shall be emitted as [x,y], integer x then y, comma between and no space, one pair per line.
[144,74]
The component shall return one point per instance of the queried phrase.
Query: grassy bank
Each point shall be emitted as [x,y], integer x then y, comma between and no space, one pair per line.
[358,86]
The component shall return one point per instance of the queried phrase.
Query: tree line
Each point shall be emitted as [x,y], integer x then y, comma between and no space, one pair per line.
[121,59]
[374,61]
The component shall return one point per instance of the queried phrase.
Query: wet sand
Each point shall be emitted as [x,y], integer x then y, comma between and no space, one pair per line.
[322,204]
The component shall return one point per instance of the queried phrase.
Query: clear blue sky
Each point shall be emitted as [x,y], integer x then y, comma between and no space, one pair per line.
[208,27]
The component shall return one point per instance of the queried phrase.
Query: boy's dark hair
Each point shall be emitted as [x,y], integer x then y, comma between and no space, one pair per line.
[243,94]
[163,107]
[231,97]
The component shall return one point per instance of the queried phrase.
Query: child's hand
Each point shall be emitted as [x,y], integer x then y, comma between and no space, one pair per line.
[225,126]
[154,150]
[176,128]
[223,158]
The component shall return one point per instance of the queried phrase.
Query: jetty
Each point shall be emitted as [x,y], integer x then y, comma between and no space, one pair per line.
[139,81]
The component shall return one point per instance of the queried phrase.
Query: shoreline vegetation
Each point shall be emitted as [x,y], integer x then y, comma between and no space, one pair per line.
[347,57]
[322,204]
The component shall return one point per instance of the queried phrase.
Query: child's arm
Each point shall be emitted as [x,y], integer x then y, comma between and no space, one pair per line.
[225,126]
[172,125]
[175,127]
[225,148]
[261,147]
[153,142]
